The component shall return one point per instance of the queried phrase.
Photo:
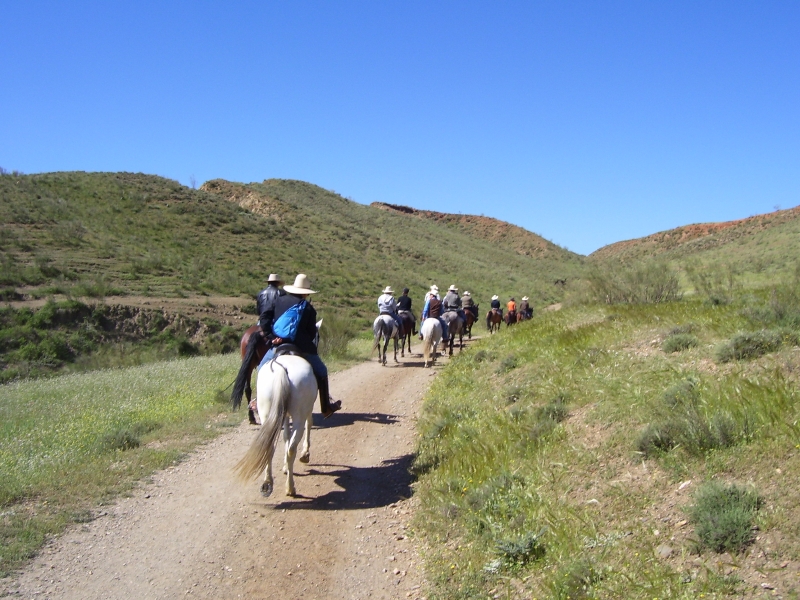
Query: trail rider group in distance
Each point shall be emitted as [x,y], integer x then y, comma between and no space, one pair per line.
[292,302]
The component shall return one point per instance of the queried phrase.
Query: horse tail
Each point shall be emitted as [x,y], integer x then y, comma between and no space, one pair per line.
[244,371]
[261,450]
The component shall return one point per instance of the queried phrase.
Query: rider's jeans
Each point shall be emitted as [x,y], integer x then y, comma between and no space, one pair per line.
[319,368]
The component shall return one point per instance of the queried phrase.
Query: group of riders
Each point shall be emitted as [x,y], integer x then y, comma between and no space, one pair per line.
[435,307]
[275,301]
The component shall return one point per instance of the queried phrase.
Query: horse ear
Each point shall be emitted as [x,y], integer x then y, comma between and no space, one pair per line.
[319,324]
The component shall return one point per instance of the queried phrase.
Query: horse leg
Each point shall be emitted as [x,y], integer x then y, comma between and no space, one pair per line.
[394,341]
[291,454]
[305,454]
[266,487]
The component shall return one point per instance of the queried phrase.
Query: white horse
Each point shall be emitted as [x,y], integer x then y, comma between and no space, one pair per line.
[431,332]
[385,327]
[286,388]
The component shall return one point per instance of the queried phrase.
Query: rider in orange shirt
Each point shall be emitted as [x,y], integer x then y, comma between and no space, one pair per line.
[512,306]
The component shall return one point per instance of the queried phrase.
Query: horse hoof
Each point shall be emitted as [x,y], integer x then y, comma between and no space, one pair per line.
[304,458]
[266,489]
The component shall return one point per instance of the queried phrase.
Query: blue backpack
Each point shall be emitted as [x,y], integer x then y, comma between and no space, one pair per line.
[285,326]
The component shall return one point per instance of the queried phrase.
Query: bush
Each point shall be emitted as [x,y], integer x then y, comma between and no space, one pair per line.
[645,283]
[749,345]
[575,581]
[678,342]
[723,516]
[521,551]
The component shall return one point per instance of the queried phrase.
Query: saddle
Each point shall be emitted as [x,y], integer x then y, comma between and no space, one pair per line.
[287,348]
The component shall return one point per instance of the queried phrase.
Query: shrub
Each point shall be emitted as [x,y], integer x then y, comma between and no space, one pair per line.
[678,342]
[575,581]
[645,283]
[523,550]
[749,345]
[723,516]
[556,410]
[509,363]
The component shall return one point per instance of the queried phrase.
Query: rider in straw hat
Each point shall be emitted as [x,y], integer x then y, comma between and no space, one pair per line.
[305,340]
[265,303]
[387,305]
[433,309]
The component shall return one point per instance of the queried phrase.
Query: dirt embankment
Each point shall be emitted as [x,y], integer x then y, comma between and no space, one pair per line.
[197,532]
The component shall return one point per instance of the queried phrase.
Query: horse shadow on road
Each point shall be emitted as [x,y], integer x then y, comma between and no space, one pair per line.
[343,419]
[363,487]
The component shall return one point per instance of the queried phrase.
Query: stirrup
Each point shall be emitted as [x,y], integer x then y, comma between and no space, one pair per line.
[332,408]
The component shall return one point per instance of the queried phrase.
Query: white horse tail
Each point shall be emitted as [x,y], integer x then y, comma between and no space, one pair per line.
[259,455]
[427,346]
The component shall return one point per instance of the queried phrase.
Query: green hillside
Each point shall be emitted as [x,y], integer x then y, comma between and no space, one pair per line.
[97,233]
[761,246]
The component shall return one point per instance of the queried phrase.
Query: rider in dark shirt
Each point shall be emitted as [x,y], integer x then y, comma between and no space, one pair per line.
[266,303]
[404,305]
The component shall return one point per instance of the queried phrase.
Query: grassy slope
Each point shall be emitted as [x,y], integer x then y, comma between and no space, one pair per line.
[366,248]
[761,246]
[99,232]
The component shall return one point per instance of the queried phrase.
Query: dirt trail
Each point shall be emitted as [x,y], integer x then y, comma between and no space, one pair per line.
[196,532]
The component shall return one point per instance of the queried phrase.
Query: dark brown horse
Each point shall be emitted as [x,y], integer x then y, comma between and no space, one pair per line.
[493,319]
[511,318]
[253,348]
[405,331]
[471,315]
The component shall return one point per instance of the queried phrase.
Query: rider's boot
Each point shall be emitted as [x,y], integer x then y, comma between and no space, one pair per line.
[326,406]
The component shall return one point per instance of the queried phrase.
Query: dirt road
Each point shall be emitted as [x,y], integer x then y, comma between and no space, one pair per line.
[196,532]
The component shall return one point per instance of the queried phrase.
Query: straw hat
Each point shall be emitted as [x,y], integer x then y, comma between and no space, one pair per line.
[273,278]
[466,293]
[302,285]
[452,288]
[435,288]
[524,298]
[495,297]
[388,290]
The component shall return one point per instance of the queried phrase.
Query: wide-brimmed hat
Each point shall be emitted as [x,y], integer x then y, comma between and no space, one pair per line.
[273,278]
[388,290]
[466,293]
[524,297]
[452,288]
[301,285]
[434,288]
[495,297]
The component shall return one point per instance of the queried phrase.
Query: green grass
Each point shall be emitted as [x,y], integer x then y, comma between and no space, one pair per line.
[499,460]
[70,443]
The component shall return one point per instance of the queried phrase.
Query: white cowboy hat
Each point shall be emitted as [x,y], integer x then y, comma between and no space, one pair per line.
[434,288]
[388,290]
[302,285]
[452,288]
[524,297]
[467,293]
[495,297]
[273,278]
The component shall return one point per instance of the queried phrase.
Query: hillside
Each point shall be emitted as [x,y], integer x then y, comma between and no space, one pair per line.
[499,232]
[758,244]
[95,234]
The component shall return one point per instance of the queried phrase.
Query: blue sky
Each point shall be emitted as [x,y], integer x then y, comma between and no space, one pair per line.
[585,122]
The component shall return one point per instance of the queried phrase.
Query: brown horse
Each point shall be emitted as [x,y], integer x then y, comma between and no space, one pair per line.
[511,318]
[253,348]
[471,318]
[493,319]
[405,331]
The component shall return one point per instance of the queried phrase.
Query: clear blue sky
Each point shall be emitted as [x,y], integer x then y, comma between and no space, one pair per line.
[585,122]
